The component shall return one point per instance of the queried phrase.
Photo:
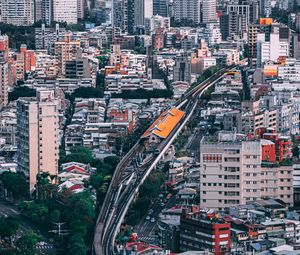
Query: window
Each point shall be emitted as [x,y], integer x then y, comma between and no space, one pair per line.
[204,200]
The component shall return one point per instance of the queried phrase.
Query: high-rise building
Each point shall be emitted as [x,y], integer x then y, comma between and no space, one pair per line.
[118,13]
[44,11]
[276,47]
[3,71]
[236,171]
[65,11]
[188,10]
[148,9]
[209,10]
[37,140]
[239,18]
[66,50]
[160,7]
[182,69]
[135,16]
[17,12]
[45,37]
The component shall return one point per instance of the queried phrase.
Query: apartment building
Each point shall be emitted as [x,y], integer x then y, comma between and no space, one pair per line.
[188,10]
[37,140]
[65,11]
[199,231]
[209,10]
[237,171]
[45,37]
[230,171]
[66,50]
[271,50]
[290,70]
[3,71]
[17,12]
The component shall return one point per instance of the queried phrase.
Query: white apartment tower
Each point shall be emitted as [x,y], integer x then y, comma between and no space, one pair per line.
[65,11]
[37,139]
[17,12]
[209,10]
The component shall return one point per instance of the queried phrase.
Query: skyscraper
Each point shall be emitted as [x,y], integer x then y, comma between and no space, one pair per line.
[160,7]
[44,11]
[3,71]
[17,12]
[65,11]
[148,5]
[187,10]
[209,12]
[37,140]
[135,16]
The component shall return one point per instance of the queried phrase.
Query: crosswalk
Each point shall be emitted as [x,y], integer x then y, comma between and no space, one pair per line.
[147,239]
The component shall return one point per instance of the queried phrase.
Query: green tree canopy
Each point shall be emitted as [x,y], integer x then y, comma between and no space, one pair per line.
[26,245]
[15,183]
[21,91]
[8,226]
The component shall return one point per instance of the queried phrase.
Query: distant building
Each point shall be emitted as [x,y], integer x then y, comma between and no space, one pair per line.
[37,141]
[182,69]
[188,10]
[66,50]
[65,11]
[46,37]
[44,11]
[209,11]
[17,12]
[160,7]
[3,71]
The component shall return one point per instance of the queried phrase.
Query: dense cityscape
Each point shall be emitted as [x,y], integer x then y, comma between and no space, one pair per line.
[145,127]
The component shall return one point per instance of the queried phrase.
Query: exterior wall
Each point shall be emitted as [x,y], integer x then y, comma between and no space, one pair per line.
[209,11]
[20,13]
[202,234]
[229,174]
[277,182]
[37,141]
[65,11]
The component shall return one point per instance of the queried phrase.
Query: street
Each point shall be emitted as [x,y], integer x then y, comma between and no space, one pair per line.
[8,209]
[146,229]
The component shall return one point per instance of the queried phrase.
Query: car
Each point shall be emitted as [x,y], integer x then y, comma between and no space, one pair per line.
[152,220]
[160,195]
[162,204]
[150,211]
[148,217]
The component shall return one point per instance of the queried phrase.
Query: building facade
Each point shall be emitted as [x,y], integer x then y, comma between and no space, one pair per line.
[37,141]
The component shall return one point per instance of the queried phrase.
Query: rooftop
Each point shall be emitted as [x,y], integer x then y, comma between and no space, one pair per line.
[165,123]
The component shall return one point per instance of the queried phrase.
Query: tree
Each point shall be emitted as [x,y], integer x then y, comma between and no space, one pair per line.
[21,91]
[112,161]
[8,226]
[78,154]
[77,245]
[26,245]
[296,151]
[15,183]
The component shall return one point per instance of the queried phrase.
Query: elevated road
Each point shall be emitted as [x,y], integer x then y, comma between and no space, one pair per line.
[124,186]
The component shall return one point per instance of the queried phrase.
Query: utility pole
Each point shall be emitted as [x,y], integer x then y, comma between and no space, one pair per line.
[59,231]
